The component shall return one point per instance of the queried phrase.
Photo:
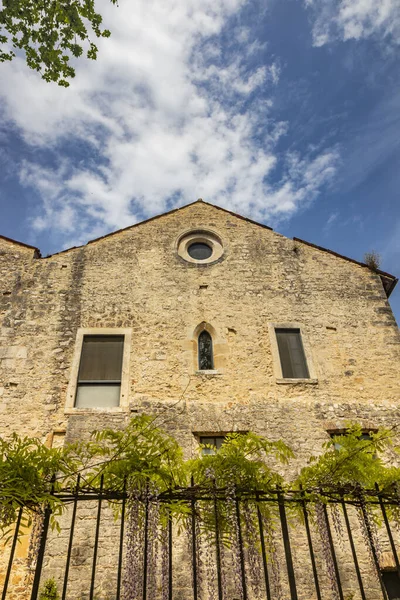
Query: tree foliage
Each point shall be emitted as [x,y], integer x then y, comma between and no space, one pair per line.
[142,453]
[50,33]
[350,462]
[27,468]
[144,458]
[246,461]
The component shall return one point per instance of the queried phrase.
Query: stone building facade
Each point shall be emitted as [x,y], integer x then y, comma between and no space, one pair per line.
[142,284]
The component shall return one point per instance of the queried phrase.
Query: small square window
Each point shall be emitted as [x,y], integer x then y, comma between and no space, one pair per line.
[366,435]
[100,369]
[392,583]
[291,354]
[214,440]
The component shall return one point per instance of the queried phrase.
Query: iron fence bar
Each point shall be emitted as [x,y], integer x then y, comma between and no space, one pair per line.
[146,542]
[281,500]
[241,554]
[217,550]
[12,552]
[194,541]
[286,543]
[121,543]
[263,553]
[333,553]
[311,549]
[221,494]
[353,550]
[389,532]
[96,541]
[71,536]
[170,546]
[373,551]
[42,547]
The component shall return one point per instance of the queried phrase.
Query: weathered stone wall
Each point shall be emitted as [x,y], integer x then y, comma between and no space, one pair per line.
[135,279]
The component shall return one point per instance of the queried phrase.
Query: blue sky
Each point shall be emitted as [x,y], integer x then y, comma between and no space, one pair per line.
[286,111]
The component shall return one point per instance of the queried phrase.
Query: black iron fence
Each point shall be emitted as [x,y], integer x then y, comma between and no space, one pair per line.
[224,546]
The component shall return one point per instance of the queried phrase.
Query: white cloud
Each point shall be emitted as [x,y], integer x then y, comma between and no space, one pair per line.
[168,116]
[333,217]
[354,19]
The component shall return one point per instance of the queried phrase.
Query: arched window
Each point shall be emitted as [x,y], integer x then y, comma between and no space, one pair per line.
[205,351]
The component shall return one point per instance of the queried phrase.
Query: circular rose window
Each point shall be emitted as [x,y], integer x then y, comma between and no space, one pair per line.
[200,251]
[201,247]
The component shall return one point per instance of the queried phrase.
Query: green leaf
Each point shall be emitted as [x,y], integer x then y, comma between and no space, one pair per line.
[50,34]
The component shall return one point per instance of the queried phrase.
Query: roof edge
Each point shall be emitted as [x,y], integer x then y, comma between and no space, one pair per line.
[102,237]
[230,212]
[37,251]
[170,212]
[389,281]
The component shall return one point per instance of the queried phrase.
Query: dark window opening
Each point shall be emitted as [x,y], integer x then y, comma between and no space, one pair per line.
[99,377]
[291,354]
[366,435]
[392,583]
[214,440]
[199,251]
[205,350]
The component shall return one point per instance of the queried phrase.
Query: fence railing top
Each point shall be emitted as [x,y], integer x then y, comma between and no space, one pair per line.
[199,493]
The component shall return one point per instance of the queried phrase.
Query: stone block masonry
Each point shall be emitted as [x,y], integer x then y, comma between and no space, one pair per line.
[135,279]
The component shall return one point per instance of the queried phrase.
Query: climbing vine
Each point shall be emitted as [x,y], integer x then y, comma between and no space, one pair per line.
[219,498]
[143,457]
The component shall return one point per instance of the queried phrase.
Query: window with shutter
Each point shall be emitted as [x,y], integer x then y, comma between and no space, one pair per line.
[100,369]
[291,354]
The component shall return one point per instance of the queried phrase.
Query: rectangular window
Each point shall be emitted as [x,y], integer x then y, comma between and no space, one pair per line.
[214,440]
[100,369]
[291,354]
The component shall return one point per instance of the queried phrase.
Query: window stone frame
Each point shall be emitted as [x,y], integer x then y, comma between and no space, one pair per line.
[276,361]
[204,236]
[220,351]
[123,406]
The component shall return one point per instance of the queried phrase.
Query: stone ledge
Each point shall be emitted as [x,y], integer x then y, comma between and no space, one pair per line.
[209,373]
[297,381]
[96,411]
